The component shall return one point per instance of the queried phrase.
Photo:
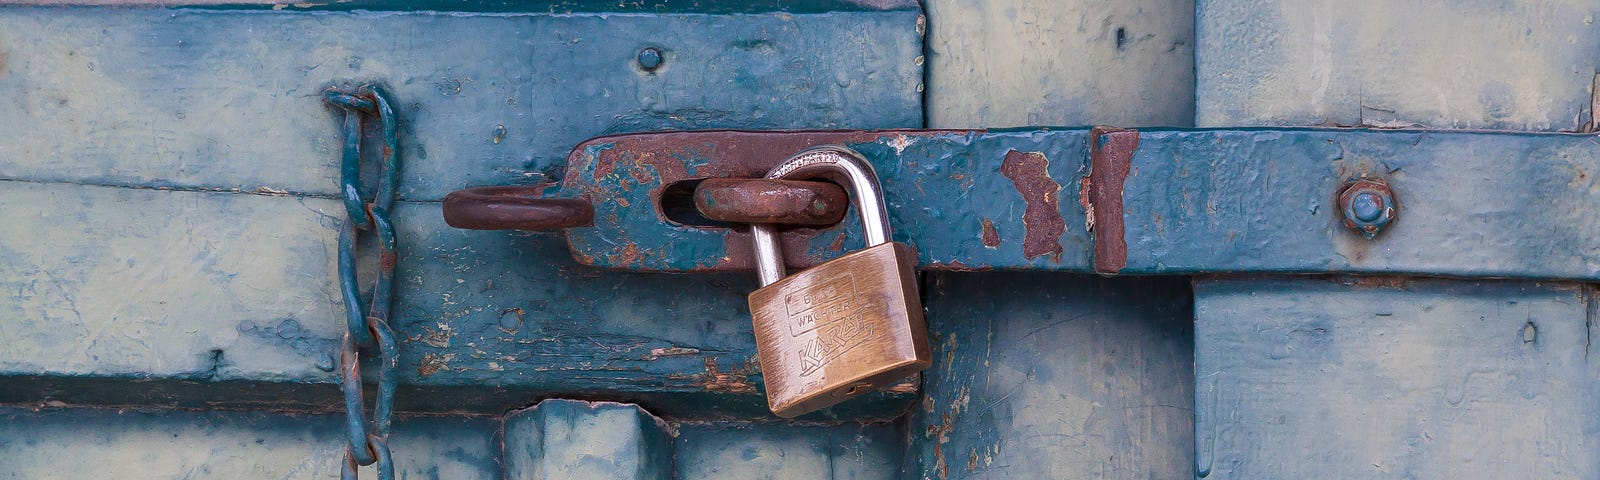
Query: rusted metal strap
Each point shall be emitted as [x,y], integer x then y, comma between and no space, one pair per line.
[1153,201]
[1110,159]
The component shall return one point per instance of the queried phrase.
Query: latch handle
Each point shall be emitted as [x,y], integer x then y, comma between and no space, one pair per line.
[516,207]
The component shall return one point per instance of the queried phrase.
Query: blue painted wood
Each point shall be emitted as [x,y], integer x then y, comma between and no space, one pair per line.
[1471,64]
[782,451]
[1394,378]
[175,228]
[561,439]
[200,100]
[92,443]
[1471,204]
[1055,376]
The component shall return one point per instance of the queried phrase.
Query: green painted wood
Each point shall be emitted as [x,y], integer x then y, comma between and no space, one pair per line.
[561,439]
[1055,376]
[175,228]
[1394,378]
[1467,64]
[134,444]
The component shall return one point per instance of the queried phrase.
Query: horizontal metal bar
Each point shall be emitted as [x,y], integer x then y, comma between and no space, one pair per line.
[1166,201]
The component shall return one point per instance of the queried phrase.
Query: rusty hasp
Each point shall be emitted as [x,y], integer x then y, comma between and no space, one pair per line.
[762,200]
[517,207]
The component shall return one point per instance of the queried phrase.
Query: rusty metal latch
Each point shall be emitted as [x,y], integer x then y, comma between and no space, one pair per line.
[1102,200]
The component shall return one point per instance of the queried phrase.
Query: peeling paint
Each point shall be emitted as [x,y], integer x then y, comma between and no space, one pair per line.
[1110,159]
[991,237]
[736,380]
[1041,219]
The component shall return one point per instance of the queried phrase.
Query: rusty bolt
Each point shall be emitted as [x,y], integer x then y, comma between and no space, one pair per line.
[650,59]
[1367,206]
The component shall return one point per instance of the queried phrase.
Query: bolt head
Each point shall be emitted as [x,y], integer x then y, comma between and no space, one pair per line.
[650,58]
[1367,205]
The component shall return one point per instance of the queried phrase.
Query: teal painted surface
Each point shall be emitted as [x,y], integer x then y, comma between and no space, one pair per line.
[781,451]
[561,439]
[1236,200]
[1055,376]
[1470,203]
[940,187]
[1522,65]
[1016,63]
[558,6]
[192,100]
[201,252]
[132,444]
[1394,378]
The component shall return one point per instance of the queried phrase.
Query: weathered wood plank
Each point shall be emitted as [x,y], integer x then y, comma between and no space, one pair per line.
[1014,63]
[561,439]
[1468,64]
[780,451]
[1055,376]
[90,443]
[1315,378]
[168,289]
[110,282]
[230,99]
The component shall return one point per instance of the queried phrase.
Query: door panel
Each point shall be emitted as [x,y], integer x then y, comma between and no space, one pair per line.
[1056,376]
[92,443]
[1525,65]
[1311,377]
[172,174]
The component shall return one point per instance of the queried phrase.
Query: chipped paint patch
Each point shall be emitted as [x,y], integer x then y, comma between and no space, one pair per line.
[1041,220]
[671,352]
[736,380]
[991,237]
[1110,161]
[434,363]
[899,142]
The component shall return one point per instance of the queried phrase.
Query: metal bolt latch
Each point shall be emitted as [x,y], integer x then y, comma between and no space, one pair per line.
[1367,206]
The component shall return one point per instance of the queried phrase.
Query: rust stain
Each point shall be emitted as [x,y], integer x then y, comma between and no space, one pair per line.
[736,380]
[908,385]
[955,266]
[1110,160]
[991,237]
[838,243]
[433,363]
[1041,221]
[1393,282]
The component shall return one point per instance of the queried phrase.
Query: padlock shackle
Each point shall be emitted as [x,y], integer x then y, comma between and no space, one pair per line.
[840,163]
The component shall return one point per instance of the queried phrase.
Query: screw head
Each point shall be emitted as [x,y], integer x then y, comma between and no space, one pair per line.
[1367,206]
[650,59]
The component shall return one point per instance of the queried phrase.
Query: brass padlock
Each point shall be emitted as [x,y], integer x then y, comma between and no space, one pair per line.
[847,326]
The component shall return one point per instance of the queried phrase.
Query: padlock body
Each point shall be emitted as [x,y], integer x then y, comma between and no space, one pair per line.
[840,329]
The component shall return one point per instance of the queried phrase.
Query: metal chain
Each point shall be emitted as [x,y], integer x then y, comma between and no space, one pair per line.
[368,328]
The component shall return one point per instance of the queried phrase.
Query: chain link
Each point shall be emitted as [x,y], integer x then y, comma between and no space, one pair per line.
[367,326]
